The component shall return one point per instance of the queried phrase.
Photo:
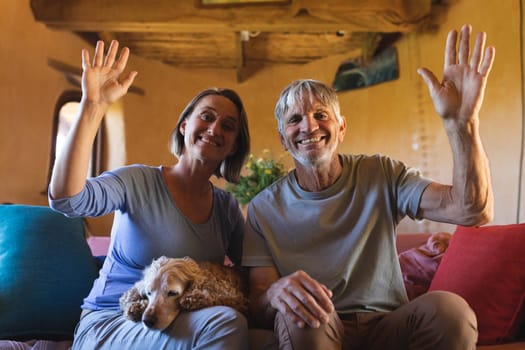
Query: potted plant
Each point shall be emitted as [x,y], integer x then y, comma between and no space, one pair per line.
[261,172]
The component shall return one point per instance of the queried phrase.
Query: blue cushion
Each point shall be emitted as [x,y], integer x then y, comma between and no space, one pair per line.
[46,269]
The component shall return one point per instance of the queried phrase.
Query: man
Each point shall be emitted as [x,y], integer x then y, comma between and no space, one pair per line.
[321,241]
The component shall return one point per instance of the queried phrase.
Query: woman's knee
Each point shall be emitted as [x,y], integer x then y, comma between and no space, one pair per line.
[212,328]
[222,327]
[224,315]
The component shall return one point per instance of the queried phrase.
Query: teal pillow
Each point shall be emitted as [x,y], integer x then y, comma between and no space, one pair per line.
[46,270]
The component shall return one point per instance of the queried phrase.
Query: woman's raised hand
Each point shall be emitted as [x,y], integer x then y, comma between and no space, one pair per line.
[102,84]
[102,79]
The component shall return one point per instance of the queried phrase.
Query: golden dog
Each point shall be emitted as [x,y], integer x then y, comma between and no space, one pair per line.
[172,285]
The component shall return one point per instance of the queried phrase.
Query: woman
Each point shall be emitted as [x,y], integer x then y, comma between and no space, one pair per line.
[173,211]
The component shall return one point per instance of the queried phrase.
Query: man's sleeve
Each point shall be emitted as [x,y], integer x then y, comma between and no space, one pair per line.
[255,249]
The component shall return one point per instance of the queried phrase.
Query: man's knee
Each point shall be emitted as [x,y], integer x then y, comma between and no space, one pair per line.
[451,314]
[290,336]
[448,308]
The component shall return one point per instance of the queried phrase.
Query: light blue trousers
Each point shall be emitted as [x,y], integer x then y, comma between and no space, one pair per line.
[211,328]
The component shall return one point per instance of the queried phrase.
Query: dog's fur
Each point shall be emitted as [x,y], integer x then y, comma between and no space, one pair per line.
[172,285]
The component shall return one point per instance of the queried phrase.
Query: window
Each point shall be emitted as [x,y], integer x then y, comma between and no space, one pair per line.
[66,111]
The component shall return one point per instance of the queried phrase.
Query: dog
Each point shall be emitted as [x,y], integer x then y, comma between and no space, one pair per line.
[172,285]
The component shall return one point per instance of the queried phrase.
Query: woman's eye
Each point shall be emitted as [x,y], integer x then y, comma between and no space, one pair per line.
[228,126]
[321,116]
[207,117]
[173,293]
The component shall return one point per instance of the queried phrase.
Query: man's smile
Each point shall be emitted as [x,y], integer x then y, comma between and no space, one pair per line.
[310,140]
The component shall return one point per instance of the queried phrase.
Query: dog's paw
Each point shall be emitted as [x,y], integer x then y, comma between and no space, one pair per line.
[133,305]
[135,310]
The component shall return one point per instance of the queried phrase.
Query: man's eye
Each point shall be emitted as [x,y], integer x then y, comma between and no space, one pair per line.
[173,293]
[294,120]
[321,116]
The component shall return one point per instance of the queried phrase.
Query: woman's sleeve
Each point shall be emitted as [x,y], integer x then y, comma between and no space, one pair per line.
[100,196]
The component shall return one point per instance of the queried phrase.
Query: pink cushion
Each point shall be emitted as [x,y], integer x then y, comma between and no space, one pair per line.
[419,264]
[406,241]
[486,266]
[99,245]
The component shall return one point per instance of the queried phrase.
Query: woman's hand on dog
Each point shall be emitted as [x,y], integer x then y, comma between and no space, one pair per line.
[301,298]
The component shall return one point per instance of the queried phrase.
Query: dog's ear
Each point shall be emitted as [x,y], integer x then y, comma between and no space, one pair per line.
[162,260]
[158,263]
[185,268]
[189,260]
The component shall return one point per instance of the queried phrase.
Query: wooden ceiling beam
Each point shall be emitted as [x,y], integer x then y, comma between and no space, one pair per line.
[183,33]
[184,16]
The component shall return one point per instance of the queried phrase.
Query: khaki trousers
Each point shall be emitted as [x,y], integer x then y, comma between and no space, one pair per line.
[434,321]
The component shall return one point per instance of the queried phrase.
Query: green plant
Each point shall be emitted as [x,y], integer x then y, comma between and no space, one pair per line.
[262,172]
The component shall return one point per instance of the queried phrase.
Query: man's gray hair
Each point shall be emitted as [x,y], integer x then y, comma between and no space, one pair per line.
[312,90]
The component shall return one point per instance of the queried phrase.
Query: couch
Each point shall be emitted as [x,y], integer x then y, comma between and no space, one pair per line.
[47,267]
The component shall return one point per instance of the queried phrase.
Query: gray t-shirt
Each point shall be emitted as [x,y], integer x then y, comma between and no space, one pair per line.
[148,224]
[343,236]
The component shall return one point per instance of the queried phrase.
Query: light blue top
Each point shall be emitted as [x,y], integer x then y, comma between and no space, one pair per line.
[148,224]
[343,236]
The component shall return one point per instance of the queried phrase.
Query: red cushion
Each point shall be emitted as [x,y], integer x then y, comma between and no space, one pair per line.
[486,266]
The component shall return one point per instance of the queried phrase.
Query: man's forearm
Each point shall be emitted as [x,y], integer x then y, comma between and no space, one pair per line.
[471,182]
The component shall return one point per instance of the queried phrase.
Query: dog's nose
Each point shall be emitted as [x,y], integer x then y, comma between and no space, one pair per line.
[149,321]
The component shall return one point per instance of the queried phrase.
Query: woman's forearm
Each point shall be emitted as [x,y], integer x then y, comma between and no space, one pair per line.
[71,164]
